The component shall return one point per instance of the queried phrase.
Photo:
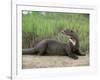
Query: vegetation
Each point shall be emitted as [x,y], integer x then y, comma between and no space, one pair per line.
[40,25]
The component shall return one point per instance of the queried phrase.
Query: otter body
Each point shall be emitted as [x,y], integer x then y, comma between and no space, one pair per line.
[53,47]
[47,47]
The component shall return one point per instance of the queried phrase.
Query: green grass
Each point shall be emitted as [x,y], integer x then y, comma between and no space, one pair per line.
[50,25]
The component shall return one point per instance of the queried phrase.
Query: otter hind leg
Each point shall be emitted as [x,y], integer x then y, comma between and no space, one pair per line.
[42,51]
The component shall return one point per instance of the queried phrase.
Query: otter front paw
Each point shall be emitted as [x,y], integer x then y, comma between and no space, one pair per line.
[73,57]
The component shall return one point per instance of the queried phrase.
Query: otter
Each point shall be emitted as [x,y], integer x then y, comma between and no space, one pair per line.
[53,47]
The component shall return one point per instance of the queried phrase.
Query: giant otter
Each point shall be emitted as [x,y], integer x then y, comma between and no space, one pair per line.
[53,47]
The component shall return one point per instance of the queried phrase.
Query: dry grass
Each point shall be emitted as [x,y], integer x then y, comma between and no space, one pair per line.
[32,61]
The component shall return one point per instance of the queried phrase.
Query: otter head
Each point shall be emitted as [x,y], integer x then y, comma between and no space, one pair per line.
[73,38]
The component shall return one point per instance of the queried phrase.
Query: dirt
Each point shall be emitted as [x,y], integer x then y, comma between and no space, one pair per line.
[32,61]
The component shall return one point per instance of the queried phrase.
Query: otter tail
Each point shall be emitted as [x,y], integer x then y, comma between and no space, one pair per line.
[29,51]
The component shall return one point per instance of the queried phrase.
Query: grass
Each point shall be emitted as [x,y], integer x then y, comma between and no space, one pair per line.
[49,25]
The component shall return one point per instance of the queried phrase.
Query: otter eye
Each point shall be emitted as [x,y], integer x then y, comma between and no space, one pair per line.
[64,30]
[71,31]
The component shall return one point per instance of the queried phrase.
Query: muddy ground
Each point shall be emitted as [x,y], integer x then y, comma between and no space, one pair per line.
[33,61]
